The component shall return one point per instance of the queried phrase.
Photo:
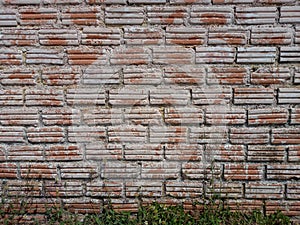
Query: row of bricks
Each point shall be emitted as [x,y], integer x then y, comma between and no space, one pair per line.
[101,36]
[151,171]
[153,189]
[165,15]
[141,97]
[99,151]
[175,116]
[155,55]
[143,75]
[157,134]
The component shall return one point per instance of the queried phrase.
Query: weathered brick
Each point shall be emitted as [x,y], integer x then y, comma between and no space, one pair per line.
[126,134]
[100,151]
[143,152]
[211,15]
[215,55]
[271,36]
[253,95]
[227,75]
[172,55]
[103,116]
[119,170]
[293,191]
[78,171]
[183,152]
[295,116]
[18,36]
[275,1]
[85,96]
[19,117]
[128,97]
[104,189]
[143,189]
[243,171]
[129,56]
[81,16]
[10,57]
[267,116]
[12,134]
[8,18]
[143,36]
[64,116]
[184,75]
[289,14]
[288,96]
[44,56]
[86,56]
[8,170]
[39,16]
[38,171]
[25,153]
[294,153]
[107,2]
[86,134]
[64,153]
[164,96]
[103,36]
[283,172]
[289,208]
[185,36]
[185,189]
[164,134]
[143,116]
[208,135]
[200,171]
[211,96]
[185,115]
[45,134]
[47,97]
[142,75]
[225,116]
[286,135]
[166,15]
[160,170]
[54,37]
[256,55]
[224,190]
[3,157]
[297,35]
[63,2]
[124,15]
[263,153]
[227,36]
[233,1]
[101,76]
[264,190]
[249,135]
[128,205]
[11,97]
[255,15]
[217,152]
[21,188]
[245,205]
[21,76]
[269,76]
[289,54]
[58,77]
[190,2]
[83,205]
[63,188]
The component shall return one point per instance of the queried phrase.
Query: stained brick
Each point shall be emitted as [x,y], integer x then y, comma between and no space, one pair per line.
[44,56]
[21,76]
[103,36]
[103,116]
[10,57]
[215,55]
[104,189]
[20,2]
[142,75]
[137,152]
[289,14]
[65,116]
[255,15]
[86,134]
[119,170]
[19,117]
[64,153]
[166,15]
[262,153]
[20,188]
[172,55]
[80,16]
[62,2]
[249,135]
[165,134]
[126,134]
[45,134]
[189,1]
[143,116]
[183,115]
[253,96]
[269,76]
[211,96]
[245,205]
[289,54]
[184,75]
[293,191]
[288,96]
[184,152]
[217,152]
[8,170]
[129,56]
[271,36]
[283,172]
[225,116]
[143,36]
[128,205]
[25,153]
[83,205]
[58,77]
[275,1]
[200,171]
[85,96]
[48,97]
[107,2]
[143,189]
[79,171]
[285,136]
[128,97]
[256,55]
[267,116]
[12,134]
[227,75]
[243,171]
[11,97]
[40,16]
[56,37]
[38,171]
[297,35]
[295,116]
[225,190]
[18,37]
[289,208]
[86,56]
[100,151]
[186,189]
[124,15]
[211,15]
[208,135]
[169,96]
[63,189]
[101,76]
[233,1]
[297,76]
[8,18]
[160,170]
[185,36]
[264,190]
[294,153]
[227,36]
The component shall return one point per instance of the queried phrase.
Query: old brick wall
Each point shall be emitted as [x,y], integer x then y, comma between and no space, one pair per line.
[140,100]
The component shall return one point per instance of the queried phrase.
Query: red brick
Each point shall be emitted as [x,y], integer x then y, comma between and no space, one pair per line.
[142,75]
[247,172]
[86,134]
[190,2]
[217,152]
[99,151]
[38,171]
[184,75]
[256,55]
[233,1]
[47,97]
[185,36]
[128,97]
[10,57]
[12,134]
[2,155]
[169,96]
[146,1]
[208,135]
[106,2]
[44,56]
[143,116]
[83,205]
[85,96]
[253,96]
[211,15]
[293,191]
[267,116]
[255,15]
[86,56]
[249,135]
[289,208]
[63,188]
[271,36]
[64,153]
[103,36]
[19,117]
[101,76]
[56,37]
[227,75]
[119,170]
[78,171]
[183,152]
[45,134]
[286,135]
[103,116]
[184,189]
[224,190]
[62,2]
[263,153]
[215,55]
[18,37]
[211,96]
[143,36]
[289,14]
[11,97]
[244,205]
[124,15]
[129,56]
[160,170]
[264,190]
[179,116]
[283,172]
[227,36]
[127,134]
[128,205]
[64,116]
[102,189]
[20,76]
[200,171]
[8,18]
[173,55]
[8,170]
[143,189]
[294,153]
[21,188]
[269,76]
[25,153]
[81,16]
[40,16]
[166,15]
[138,152]
[165,134]
[225,116]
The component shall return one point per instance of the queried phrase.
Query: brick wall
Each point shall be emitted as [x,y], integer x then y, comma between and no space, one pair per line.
[134,101]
